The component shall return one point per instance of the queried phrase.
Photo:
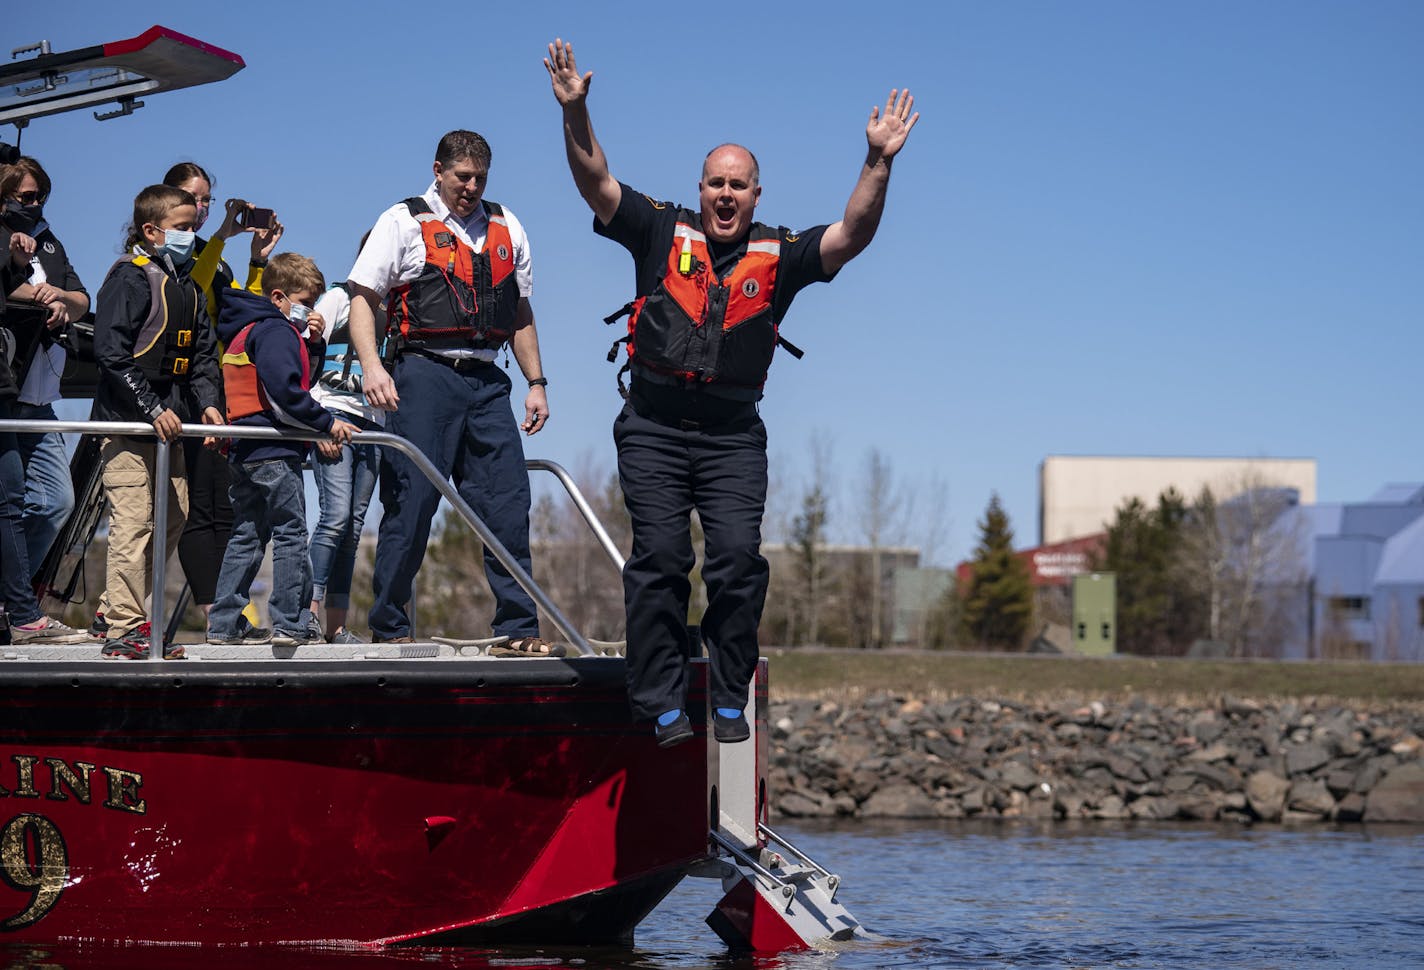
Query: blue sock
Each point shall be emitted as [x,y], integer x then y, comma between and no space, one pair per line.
[667,717]
[729,712]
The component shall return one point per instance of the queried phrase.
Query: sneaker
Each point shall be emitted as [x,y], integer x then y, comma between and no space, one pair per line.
[99,629]
[50,630]
[135,645]
[676,732]
[247,636]
[730,730]
[344,635]
[252,634]
[289,638]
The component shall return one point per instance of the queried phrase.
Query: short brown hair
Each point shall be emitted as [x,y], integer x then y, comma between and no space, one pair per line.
[461,144]
[290,272]
[12,175]
[151,205]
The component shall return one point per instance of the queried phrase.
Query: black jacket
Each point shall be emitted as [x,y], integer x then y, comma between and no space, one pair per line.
[125,392]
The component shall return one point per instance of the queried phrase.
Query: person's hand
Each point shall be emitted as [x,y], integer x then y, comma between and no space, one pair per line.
[316,326]
[380,390]
[536,411]
[212,416]
[46,293]
[168,425]
[229,228]
[569,87]
[341,432]
[329,450]
[22,247]
[58,314]
[265,240]
[886,133]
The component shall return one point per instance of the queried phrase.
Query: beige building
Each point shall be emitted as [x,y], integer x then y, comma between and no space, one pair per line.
[1078,495]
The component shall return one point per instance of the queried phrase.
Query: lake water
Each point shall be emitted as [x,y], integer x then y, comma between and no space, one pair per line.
[1000,895]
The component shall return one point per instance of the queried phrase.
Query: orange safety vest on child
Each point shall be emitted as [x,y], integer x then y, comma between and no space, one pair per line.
[462,299]
[245,395]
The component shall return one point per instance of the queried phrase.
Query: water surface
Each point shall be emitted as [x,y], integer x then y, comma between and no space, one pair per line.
[1001,895]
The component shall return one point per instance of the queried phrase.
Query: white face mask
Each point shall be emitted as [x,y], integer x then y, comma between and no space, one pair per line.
[299,313]
[178,244]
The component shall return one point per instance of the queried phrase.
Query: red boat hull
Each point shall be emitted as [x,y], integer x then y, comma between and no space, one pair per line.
[362,802]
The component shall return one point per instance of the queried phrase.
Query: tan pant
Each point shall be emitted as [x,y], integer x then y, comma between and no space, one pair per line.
[128,484]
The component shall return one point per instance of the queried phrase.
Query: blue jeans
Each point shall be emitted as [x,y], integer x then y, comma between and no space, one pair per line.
[462,422]
[268,503]
[344,488]
[49,493]
[15,592]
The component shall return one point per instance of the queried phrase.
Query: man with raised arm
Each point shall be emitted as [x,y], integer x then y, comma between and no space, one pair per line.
[712,288]
[456,274]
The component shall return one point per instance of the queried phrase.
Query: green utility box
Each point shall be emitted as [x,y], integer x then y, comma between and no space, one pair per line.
[1095,614]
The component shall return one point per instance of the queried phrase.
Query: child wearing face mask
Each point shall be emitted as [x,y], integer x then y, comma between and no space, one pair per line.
[158,364]
[272,348]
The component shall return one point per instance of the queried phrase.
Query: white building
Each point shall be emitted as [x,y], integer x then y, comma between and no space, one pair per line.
[1079,495]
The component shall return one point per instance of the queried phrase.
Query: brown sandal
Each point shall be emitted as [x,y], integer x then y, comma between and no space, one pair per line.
[528,647]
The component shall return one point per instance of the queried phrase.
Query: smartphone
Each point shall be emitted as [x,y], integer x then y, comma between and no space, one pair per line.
[255,218]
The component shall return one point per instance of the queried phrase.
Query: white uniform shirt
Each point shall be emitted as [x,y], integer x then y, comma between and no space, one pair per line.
[394,253]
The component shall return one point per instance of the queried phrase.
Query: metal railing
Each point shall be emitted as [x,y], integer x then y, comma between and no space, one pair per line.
[382,439]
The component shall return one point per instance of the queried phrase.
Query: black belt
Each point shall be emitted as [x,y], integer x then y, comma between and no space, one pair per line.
[739,417]
[460,365]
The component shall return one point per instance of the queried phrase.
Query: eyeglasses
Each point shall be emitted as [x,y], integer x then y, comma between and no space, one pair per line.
[204,200]
[27,198]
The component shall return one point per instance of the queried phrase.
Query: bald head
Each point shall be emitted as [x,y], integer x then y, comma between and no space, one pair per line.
[729,190]
[737,151]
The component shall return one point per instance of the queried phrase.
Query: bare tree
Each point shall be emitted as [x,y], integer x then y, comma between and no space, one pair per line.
[1245,559]
[883,506]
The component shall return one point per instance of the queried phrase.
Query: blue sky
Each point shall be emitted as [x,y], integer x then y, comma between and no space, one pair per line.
[1119,228]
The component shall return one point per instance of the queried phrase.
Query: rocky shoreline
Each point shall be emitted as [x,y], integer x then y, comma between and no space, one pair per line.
[1237,760]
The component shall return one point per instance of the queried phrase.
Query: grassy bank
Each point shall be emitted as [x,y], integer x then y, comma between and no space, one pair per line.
[847,674]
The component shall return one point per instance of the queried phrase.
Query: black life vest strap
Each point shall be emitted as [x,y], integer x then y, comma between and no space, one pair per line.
[789,347]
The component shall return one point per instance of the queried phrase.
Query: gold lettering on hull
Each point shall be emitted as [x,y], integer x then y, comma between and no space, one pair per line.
[73,781]
[34,858]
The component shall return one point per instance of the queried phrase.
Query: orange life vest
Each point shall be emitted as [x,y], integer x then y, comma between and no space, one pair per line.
[697,328]
[243,389]
[462,298]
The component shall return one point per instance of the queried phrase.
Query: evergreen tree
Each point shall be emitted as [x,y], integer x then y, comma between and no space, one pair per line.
[998,603]
[1156,612]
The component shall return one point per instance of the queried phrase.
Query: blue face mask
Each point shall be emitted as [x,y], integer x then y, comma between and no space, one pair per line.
[178,244]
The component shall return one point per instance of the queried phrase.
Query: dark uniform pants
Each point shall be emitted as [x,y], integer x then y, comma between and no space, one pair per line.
[463,423]
[666,470]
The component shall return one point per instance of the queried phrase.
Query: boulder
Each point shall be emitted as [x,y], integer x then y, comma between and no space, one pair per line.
[1304,758]
[1311,796]
[1266,793]
[1399,797]
[899,801]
